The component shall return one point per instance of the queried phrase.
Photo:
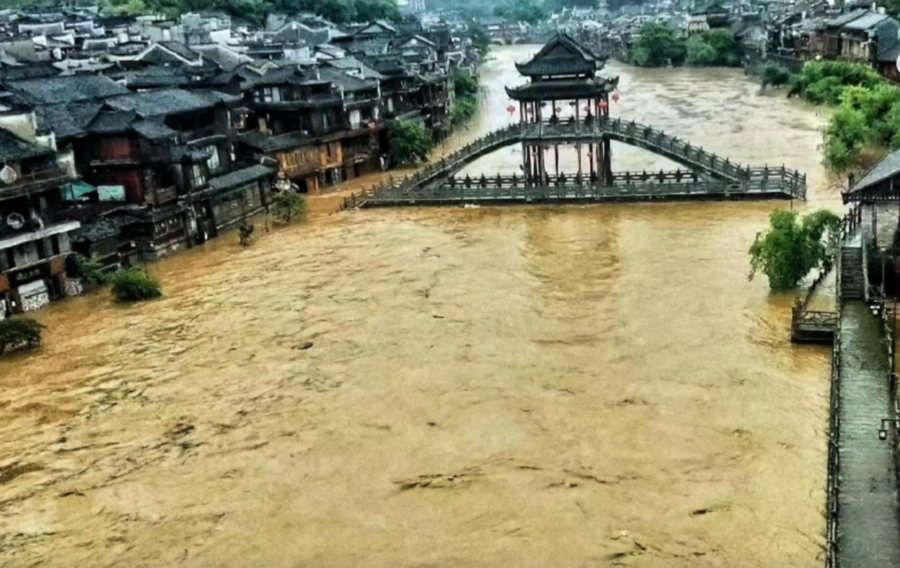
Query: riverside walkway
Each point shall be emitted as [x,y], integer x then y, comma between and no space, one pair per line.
[706,175]
[863,517]
[867,521]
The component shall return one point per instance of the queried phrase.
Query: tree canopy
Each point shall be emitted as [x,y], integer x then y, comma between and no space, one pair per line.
[528,11]
[791,248]
[866,122]
[410,141]
[659,45]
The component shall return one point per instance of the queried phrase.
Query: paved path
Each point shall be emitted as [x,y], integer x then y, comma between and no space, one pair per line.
[868,521]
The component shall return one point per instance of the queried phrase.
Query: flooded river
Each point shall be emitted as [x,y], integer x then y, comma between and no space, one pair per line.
[496,387]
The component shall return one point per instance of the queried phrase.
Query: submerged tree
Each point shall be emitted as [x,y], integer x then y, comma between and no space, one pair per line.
[792,247]
[20,331]
[410,141]
[287,207]
[132,285]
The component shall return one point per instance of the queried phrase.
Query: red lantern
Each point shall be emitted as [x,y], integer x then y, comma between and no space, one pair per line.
[615,97]
[602,105]
[558,110]
[510,109]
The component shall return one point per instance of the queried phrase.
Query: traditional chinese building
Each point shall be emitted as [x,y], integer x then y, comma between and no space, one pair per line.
[564,89]
[34,228]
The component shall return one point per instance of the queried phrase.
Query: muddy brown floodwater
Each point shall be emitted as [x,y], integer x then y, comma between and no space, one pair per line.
[497,387]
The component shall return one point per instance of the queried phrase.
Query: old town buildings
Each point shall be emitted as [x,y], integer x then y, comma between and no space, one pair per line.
[127,138]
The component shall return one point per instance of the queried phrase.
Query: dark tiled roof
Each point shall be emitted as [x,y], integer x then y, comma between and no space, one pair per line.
[377,27]
[112,122]
[101,228]
[13,148]
[890,54]
[407,37]
[70,88]
[711,8]
[241,177]
[866,22]
[163,102]
[561,55]
[153,130]
[67,119]
[888,167]
[30,71]
[340,79]
[155,77]
[846,18]
[353,64]
[180,49]
[225,58]
[263,143]
[547,90]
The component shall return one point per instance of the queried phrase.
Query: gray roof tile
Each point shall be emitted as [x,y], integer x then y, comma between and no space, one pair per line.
[13,148]
[69,88]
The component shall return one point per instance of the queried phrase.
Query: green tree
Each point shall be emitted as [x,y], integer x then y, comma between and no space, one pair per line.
[728,53]
[20,331]
[659,45]
[527,11]
[700,53]
[90,271]
[464,85]
[790,248]
[287,207]
[133,285]
[463,111]
[410,141]
[480,39]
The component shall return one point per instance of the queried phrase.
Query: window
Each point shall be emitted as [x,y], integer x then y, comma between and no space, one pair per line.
[213,161]
[198,177]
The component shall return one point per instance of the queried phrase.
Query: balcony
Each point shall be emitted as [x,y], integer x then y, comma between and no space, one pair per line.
[34,182]
[10,238]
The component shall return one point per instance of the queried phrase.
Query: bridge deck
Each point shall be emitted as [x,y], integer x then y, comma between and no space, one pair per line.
[506,193]
[868,534]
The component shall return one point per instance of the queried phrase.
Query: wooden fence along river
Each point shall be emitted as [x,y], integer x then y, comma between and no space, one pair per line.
[707,177]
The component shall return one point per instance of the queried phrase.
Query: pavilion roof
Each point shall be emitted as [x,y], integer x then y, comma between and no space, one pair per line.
[872,186]
[563,90]
[562,55]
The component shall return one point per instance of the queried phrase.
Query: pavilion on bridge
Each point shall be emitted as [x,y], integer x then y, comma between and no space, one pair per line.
[564,87]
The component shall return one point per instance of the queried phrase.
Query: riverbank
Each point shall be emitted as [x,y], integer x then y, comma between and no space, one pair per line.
[493,387]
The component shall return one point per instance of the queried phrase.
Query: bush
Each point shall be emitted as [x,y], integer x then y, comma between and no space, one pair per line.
[463,111]
[410,141]
[775,76]
[288,206]
[823,82]
[19,331]
[131,285]
[90,271]
[791,248]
